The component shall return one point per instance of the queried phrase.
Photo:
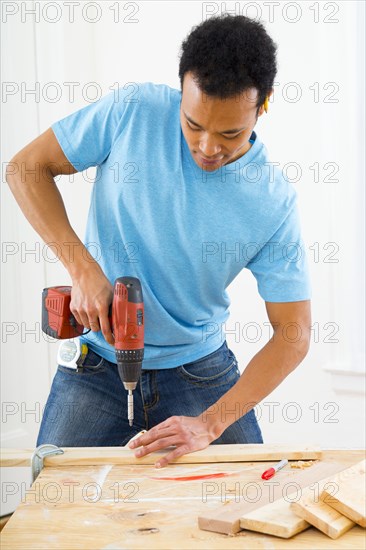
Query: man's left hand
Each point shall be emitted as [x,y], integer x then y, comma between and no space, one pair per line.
[187,433]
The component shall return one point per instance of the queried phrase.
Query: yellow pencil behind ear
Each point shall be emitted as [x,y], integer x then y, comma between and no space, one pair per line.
[265,104]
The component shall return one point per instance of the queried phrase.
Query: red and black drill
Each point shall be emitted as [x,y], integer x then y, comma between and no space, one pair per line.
[126,317]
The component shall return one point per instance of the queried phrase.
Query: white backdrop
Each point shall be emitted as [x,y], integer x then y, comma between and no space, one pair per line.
[314,129]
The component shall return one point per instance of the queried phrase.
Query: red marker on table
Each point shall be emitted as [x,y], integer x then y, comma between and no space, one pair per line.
[271,471]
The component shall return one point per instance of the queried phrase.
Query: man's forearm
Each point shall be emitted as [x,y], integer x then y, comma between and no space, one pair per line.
[268,368]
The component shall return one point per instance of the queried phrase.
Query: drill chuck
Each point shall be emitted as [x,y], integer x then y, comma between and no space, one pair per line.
[129,374]
[129,366]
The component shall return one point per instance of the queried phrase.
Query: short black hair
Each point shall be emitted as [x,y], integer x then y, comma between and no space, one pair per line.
[227,55]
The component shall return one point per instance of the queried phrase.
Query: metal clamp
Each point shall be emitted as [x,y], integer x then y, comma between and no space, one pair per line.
[39,454]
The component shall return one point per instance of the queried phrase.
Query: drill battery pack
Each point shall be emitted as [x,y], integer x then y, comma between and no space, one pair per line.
[57,320]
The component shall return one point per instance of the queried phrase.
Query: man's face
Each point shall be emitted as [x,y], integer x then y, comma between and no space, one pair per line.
[217,130]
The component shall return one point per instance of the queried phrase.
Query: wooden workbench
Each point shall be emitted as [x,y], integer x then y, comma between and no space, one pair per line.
[115,507]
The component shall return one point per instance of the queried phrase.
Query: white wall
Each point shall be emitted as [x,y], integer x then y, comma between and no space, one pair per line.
[320,53]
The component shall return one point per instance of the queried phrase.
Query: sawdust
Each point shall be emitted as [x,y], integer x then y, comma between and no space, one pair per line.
[301,464]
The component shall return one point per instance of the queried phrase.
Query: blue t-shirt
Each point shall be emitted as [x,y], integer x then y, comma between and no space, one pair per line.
[184,232]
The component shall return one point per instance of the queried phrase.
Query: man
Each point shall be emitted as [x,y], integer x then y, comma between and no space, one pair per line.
[185,197]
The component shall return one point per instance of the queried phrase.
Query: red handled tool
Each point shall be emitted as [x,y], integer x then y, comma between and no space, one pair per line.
[126,319]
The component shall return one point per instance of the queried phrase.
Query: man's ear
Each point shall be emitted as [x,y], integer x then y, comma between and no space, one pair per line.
[264,107]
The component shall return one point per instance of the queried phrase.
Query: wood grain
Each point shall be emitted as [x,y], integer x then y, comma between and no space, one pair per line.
[92,456]
[321,516]
[15,457]
[164,514]
[231,518]
[348,496]
[276,519]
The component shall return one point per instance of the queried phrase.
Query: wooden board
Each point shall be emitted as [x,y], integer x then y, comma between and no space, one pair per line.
[275,519]
[231,518]
[348,496]
[134,510]
[3,521]
[121,455]
[321,516]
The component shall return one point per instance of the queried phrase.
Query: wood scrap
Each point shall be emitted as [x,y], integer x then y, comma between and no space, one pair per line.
[313,510]
[277,518]
[231,519]
[301,464]
[347,494]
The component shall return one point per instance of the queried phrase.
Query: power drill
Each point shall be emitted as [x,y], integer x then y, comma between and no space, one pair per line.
[126,317]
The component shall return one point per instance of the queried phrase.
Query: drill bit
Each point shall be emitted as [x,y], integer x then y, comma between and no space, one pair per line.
[130,407]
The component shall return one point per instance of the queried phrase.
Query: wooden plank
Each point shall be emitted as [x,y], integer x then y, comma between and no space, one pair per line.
[230,518]
[283,519]
[15,457]
[348,496]
[4,520]
[121,455]
[321,516]
[275,519]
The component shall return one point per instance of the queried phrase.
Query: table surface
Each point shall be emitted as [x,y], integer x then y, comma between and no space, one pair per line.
[119,507]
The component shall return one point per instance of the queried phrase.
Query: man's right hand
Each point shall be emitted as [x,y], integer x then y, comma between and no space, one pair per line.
[91,296]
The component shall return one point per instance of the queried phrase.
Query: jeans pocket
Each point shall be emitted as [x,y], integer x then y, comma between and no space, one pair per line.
[93,364]
[215,370]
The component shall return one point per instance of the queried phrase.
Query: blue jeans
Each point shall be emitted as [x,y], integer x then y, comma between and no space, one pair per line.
[89,408]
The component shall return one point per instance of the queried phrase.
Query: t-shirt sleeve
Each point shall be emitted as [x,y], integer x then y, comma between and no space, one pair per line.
[281,266]
[86,136]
